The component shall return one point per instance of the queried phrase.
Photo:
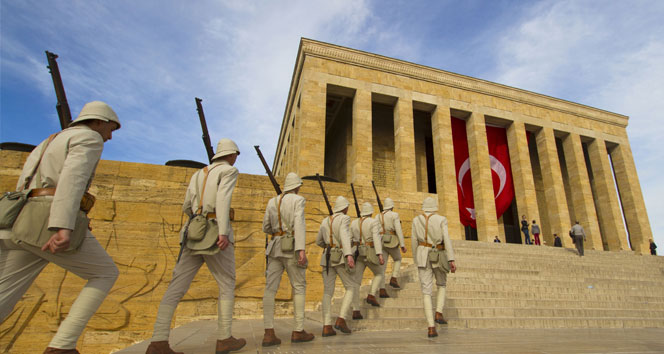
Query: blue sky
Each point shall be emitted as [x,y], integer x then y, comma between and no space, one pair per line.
[149,59]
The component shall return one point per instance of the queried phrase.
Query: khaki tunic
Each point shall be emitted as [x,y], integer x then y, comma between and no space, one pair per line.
[68,165]
[437,233]
[292,222]
[390,221]
[342,236]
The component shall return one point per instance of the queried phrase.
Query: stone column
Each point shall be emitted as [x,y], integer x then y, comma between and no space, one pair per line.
[480,170]
[361,156]
[582,195]
[404,146]
[522,174]
[443,153]
[608,209]
[311,147]
[554,192]
[631,196]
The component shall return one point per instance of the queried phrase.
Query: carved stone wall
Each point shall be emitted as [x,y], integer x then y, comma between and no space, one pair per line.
[137,219]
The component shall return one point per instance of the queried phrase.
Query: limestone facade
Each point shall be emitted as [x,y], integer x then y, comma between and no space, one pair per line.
[569,161]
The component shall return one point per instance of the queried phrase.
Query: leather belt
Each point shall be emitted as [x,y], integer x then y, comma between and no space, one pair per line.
[86,204]
[370,244]
[354,243]
[211,215]
[426,244]
[280,233]
[214,215]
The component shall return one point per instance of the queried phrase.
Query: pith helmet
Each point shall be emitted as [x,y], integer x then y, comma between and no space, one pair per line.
[340,204]
[225,147]
[367,209]
[292,181]
[430,204]
[96,110]
[389,203]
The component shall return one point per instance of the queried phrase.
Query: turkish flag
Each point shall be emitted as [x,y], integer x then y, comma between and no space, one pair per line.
[501,171]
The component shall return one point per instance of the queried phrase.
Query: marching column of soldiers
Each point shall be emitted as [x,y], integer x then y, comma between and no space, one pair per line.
[52,226]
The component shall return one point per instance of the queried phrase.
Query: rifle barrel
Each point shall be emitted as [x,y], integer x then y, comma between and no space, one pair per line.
[267,170]
[380,205]
[62,107]
[357,206]
[327,202]
[206,135]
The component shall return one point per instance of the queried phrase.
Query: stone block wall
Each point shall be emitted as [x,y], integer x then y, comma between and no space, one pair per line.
[137,219]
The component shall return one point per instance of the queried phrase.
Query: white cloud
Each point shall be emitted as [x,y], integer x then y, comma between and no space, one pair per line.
[604,54]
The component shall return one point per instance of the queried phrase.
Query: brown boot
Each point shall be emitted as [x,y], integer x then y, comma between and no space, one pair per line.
[371,300]
[357,315]
[229,344]
[394,283]
[383,294]
[160,347]
[301,336]
[328,331]
[51,350]
[432,332]
[341,325]
[269,338]
[440,319]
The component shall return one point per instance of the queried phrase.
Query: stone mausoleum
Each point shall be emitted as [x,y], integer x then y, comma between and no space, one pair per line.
[357,117]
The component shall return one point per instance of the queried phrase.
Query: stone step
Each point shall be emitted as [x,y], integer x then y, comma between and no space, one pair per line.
[594,282]
[538,303]
[470,312]
[455,294]
[530,323]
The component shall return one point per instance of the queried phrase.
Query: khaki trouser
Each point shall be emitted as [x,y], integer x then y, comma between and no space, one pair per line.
[20,264]
[222,268]
[298,281]
[348,280]
[426,275]
[395,253]
[377,281]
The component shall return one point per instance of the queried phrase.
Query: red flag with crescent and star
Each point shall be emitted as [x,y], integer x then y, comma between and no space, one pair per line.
[501,171]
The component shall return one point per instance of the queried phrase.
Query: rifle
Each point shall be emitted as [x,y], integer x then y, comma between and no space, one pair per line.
[380,205]
[62,107]
[274,184]
[185,235]
[357,210]
[329,209]
[206,135]
[357,206]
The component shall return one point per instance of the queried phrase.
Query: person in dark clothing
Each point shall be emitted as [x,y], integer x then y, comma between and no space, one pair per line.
[524,229]
[557,242]
[653,248]
[497,240]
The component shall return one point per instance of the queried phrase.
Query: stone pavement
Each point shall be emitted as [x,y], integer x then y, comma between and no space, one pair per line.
[199,337]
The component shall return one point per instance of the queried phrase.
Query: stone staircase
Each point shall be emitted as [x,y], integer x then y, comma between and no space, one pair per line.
[519,286]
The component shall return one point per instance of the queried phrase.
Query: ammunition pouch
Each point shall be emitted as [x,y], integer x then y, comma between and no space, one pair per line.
[31,225]
[287,243]
[336,254]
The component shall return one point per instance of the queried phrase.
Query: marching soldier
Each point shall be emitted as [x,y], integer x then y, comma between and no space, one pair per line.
[434,256]
[392,242]
[366,237]
[284,220]
[208,238]
[334,236]
[59,172]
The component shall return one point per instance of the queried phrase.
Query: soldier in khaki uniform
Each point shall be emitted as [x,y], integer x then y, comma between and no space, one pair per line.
[392,241]
[284,221]
[61,178]
[334,233]
[430,239]
[366,234]
[208,198]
